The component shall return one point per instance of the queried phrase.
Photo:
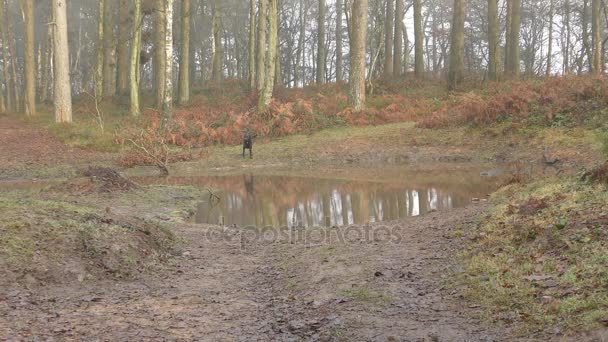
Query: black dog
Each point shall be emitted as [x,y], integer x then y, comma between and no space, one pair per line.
[248,144]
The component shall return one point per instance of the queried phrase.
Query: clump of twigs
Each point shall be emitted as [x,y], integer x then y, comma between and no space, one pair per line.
[151,148]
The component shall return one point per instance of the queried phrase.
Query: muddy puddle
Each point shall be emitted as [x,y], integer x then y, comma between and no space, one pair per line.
[326,199]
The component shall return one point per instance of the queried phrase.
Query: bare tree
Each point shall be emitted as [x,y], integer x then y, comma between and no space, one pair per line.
[596,36]
[184,56]
[493,40]
[135,59]
[29,65]
[160,57]
[418,37]
[168,99]
[398,52]
[261,60]
[357,54]
[512,67]
[266,94]
[388,38]
[63,91]
[252,45]
[456,71]
[321,63]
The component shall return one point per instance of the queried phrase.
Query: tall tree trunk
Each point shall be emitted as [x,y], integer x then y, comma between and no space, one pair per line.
[124,27]
[252,44]
[63,91]
[550,47]
[15,81]
[168,99]
[100,52]
[388,38]
[508,17]
[566,49]
[456,72]
[298,69]
[216,69]
[109,86]
[29,62]
[160,58]
[597,36]
[418,36]
[48,57]
[10,105]
[261,60]
[184,56]
[135,59]
[398,53]
[493,40]
[406,48]
[357,54]
[321,60]
[266,95]
[339,53]
[513,40]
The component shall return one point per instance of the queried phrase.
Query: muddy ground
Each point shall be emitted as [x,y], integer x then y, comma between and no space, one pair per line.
[361,283]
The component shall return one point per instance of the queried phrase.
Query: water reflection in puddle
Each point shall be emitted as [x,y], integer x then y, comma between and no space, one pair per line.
[286,201]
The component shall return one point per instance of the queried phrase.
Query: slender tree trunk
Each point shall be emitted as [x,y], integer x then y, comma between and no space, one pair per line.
[168,99]
[29,60]
[15,81]
[398,53]
[597,36]
[357,54]
[266,95]
[135,59]
[513,40]
[406,52]
[160,58]
[493,40]
[456,72]
[321,60]
[508,17]
[550,45]
[298,70]
[261,60]
[100,52]
[216,71]
[566,50]
[184,56]
[339,52]
[388,38]
[63,91]
[418,36]
[124,27]
[109,86]
[48,57]
[5,58]
[252,44]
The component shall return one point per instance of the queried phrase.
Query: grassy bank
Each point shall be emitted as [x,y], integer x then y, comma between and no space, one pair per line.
[71,232]
[540,256]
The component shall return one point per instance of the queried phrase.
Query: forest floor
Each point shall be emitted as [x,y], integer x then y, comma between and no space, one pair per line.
[85,255]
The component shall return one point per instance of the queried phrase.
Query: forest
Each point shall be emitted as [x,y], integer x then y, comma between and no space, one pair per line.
[319,170]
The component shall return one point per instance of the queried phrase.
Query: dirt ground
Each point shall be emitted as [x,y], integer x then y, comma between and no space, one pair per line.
[230,285]
[29,151]
[360,283]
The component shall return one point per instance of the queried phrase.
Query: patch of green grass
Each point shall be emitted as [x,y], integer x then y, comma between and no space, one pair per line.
[506,265]
[364,294]
[48,228]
